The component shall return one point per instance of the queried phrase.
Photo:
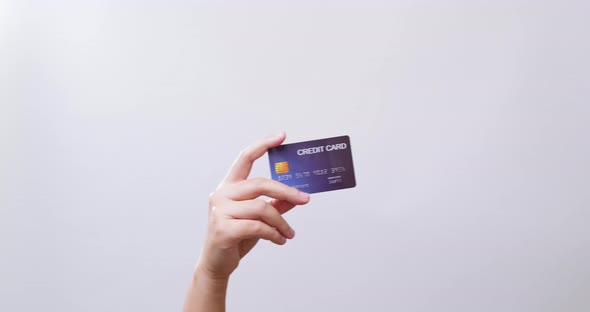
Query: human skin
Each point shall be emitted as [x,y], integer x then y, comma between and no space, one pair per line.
[237,220]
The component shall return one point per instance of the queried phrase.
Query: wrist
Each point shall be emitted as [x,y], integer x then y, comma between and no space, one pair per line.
[206,293]
[209,279]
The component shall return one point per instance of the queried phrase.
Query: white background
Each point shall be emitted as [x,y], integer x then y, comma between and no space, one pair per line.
[469,123]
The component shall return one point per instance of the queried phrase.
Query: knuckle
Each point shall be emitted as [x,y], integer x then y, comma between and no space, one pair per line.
[212,198]
[246,154]
[257,228]
[241,154]
[213,212]
[258,182]
[259,206]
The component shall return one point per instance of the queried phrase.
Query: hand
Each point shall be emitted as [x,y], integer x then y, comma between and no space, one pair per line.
[238,218]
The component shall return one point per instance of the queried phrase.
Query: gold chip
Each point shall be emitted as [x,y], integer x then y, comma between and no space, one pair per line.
[281,167]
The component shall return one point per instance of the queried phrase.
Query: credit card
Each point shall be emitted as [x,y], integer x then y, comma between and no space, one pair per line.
[314,166]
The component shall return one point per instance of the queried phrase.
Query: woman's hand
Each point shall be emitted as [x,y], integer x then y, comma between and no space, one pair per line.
[237,220]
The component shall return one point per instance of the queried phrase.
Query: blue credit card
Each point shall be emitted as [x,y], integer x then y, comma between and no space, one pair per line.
[314,166]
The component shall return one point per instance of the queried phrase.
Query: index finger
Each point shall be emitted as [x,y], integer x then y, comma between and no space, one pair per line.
[241,167]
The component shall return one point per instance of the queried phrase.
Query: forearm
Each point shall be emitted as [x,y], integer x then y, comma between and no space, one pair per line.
[205,294]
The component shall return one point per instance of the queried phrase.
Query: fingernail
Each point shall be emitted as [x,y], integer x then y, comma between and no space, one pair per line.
[291,233]
[304,196]
[283,240]
[274,137]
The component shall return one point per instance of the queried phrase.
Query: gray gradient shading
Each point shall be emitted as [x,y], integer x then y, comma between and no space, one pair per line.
[470,122]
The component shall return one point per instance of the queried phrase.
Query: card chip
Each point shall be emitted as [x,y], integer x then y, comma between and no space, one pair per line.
[281,167]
